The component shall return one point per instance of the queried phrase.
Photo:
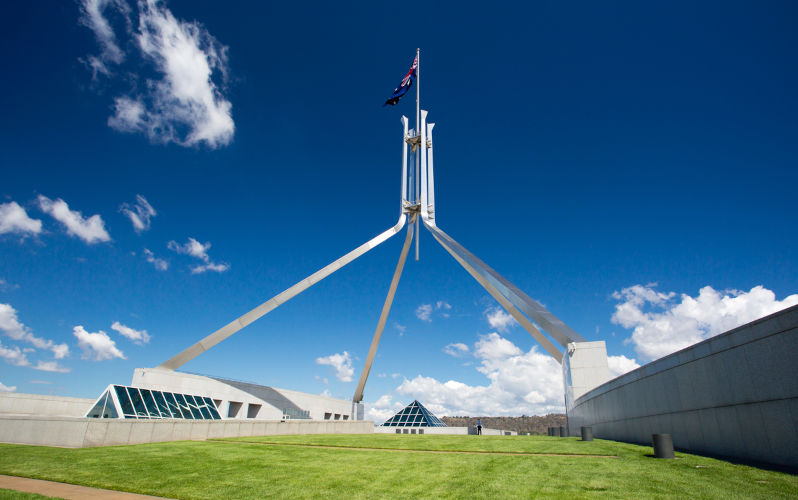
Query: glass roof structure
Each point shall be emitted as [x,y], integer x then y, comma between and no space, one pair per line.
[119,401]
[414,415]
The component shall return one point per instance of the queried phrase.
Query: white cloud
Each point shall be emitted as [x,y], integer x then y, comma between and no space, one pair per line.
[499,319]
[13,328]
[663,324]
[326,393]
[198,250]
[396,375]
[138,336]
[90,230]
[457,350]
[50,366]
[6,388]
[620,365]
[139,213]
[400,328]
[183,102]
[382,410]
[518,383]
[92,17]
[342,364]
[210,266]
[14,219]
[424,312]
[159,263]
[13,355]
[443,307]
[96,346]
[5,285]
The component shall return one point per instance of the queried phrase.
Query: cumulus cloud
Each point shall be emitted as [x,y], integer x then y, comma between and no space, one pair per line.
[183,102]
[200,251]
[159,263]
[382,410]
[400,328]
[96,346]
[139,213]
[13,355]
[91,230]
[457,350]
[6,388]
[342,364]
[50,366]
[140,337]
[499,319]
[663,323]
[620,365]
[14,219]
[17,357]
[424,312]
[518,383]
[13,328]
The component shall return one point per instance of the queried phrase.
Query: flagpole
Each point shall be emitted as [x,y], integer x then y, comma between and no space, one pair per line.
[418,133]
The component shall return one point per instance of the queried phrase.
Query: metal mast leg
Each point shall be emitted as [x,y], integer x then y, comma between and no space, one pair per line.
[386,308]
[515,313]
[554,326]
[271,304]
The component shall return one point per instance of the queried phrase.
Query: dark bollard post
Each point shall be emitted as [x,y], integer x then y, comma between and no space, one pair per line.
[563,432]
[587,433]
[663,445]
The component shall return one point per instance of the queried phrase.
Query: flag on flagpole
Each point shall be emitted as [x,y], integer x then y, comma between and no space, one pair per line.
[403,87]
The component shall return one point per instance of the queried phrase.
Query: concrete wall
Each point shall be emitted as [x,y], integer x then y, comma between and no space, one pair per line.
[225,393]
[733,395]
[36,404]
[89,432]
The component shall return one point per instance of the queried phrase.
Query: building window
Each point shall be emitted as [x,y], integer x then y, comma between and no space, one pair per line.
[327,415]
[252,410]
[233,409]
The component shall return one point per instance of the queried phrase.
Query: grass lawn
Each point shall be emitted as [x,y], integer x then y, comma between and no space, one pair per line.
[284,466]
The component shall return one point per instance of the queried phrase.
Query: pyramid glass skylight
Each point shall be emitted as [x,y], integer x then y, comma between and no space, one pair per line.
[414,415]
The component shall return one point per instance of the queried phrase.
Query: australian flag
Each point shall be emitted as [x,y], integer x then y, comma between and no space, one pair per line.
[403,87]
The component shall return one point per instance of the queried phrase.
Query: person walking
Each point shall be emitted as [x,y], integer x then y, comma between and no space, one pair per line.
[479,427]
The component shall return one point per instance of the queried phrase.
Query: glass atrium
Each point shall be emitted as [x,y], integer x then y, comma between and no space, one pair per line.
[414,415]
[119,401]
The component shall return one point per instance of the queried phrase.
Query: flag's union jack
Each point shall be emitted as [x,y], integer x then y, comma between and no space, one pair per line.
[403,87]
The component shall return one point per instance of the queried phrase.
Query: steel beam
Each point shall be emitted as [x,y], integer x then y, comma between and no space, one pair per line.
[555,327]
[271,304]
[386,308]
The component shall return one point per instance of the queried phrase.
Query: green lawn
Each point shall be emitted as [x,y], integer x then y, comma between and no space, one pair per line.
[280,467]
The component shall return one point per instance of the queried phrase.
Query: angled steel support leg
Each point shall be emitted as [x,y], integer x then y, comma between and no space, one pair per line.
[386,308]
[561,332]
[515,313]
[271,304]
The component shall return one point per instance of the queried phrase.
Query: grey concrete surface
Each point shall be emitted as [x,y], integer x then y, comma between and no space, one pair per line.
[734,395]
[73,432]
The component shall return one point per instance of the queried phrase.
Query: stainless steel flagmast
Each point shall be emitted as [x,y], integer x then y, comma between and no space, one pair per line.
[419,150]
[417,203]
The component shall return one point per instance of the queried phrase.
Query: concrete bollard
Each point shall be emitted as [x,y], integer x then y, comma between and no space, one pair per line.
[587,433]
[663,445]
[563,432]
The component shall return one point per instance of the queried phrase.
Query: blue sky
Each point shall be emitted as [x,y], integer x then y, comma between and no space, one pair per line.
[631,166]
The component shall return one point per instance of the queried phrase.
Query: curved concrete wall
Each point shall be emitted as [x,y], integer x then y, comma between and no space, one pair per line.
[733,395]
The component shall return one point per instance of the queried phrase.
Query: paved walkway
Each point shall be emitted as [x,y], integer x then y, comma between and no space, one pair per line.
[64,490]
